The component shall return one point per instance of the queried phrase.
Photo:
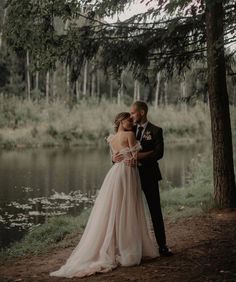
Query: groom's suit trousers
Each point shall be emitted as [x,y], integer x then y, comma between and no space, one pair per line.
[150,187]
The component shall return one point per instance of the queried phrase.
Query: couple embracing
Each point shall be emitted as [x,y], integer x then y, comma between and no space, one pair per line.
[117,231]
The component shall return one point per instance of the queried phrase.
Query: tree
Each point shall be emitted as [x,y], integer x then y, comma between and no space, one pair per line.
[30,30]
[175,42]
[224,179]
[3,12]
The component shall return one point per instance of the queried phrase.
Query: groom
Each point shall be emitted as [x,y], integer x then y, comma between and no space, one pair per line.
[151,139]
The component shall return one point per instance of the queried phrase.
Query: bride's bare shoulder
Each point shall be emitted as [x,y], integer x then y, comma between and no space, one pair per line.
[129,133]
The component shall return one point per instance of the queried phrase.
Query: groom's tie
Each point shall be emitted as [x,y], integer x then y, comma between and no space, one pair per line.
[139,134]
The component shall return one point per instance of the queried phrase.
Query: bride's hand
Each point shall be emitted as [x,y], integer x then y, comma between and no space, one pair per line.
[131,162]
[117,157]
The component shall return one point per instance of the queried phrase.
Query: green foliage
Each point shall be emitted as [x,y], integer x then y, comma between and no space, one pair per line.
[30,27]
[196,196]
[11,69]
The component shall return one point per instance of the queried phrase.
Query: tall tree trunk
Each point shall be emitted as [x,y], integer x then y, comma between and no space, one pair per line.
[166,93]
[183,86]
[68,81]
[85,78]
[223,167]
[28,74]
[98,85]
[37,80]
[54,85]
[135,90]
[3,22]
[119,97]
[77,90]
[47,86]
[93,84]
[111,88]
[138,90]
[234,94]
[157,92]
[120,93]
[0,39]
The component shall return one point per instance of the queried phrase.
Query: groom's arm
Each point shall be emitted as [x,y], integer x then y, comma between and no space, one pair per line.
[158,149]
[144,155]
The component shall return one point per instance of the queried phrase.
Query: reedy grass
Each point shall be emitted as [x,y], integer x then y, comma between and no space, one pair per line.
[28,123]
[196,197]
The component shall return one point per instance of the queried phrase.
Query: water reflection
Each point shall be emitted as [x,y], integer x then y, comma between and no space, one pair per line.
[44,170]
[177,162]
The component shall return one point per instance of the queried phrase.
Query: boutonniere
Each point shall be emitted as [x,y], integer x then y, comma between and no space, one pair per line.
[147,135]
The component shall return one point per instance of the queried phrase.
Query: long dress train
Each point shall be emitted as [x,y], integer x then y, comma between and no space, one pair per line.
[116,232]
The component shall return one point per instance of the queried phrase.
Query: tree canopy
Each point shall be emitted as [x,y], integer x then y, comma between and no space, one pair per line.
[169,36]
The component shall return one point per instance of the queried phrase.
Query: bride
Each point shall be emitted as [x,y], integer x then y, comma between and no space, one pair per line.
[117,232]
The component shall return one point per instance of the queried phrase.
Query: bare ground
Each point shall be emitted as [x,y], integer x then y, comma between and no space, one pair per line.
[204,247]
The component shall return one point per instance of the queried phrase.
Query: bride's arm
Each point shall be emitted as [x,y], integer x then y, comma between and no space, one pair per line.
[132,141]
[133,158]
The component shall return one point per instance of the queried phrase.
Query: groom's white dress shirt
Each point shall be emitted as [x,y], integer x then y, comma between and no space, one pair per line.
[144,125]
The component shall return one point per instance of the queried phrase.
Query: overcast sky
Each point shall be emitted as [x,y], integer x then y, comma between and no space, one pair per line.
[134,9]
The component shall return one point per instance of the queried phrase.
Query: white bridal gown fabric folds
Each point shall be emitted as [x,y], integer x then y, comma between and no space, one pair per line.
[116,232]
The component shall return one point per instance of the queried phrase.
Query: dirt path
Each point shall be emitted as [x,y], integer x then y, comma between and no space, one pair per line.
[204,246]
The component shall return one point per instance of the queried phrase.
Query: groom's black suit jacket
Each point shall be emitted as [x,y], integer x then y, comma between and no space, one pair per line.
[150,174]
[152,140]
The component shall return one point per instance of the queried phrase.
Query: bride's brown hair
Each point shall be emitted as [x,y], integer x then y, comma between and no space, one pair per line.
[118,119]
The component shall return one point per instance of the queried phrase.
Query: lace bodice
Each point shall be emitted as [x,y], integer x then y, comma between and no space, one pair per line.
[126,151]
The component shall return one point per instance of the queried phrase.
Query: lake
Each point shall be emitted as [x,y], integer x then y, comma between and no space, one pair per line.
[38,183]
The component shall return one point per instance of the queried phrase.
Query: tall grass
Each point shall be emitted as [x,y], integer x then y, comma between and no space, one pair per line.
[196,197]
[26,123]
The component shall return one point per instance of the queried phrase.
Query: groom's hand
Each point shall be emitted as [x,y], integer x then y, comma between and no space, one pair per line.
[117,157]
[131,162]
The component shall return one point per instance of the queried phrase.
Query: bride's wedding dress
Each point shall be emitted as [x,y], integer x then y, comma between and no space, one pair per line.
[117,232]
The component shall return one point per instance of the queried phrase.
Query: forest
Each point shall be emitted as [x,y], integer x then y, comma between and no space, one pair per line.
[66,68]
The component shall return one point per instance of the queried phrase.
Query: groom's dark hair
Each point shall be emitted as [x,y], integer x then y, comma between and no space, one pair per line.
[141,106]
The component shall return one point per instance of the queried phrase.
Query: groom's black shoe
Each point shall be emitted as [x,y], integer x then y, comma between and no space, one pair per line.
[165,252]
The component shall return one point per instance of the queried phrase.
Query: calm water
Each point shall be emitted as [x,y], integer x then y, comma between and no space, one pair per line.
[37,183]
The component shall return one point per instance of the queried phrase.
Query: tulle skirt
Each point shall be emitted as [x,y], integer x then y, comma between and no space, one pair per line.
[117,231]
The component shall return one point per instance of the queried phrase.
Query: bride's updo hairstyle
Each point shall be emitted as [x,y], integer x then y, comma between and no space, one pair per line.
[118,119]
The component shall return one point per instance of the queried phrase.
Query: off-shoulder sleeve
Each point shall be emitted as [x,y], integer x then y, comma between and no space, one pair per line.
[137,147]
[110,137]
